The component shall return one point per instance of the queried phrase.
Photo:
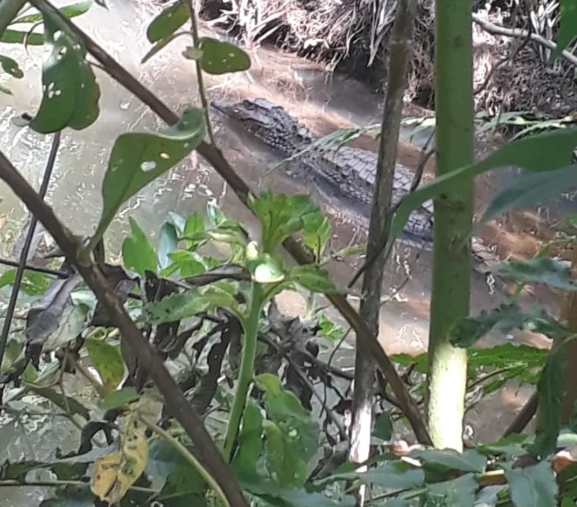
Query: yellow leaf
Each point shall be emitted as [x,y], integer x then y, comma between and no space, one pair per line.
[117,471]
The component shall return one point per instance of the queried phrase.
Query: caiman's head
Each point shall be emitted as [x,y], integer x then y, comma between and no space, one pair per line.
[268,122]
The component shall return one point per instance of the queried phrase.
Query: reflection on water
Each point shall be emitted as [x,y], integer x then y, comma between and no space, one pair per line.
[322,102]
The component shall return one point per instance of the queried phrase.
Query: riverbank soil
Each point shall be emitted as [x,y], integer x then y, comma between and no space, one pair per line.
[351,36]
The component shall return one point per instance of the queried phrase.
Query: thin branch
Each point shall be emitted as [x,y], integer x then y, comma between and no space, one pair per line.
[175,401]
[28,267]
[215,158]
[26,248]
[521,34]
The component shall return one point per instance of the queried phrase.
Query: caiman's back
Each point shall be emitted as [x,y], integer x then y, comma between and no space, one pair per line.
[347,174]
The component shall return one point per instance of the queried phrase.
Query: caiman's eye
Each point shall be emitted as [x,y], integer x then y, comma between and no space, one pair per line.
[248,104]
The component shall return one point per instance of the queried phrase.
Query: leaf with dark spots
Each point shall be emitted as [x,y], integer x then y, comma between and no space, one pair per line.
[168,21]
[66,403]
[530,189]
[107,360]
[543,152]
[221,57]
[506,318]
[137,251]
[533,486]
[167,244]
[550,389]
[44,317]
[70,91]
[537,270]
[139,158]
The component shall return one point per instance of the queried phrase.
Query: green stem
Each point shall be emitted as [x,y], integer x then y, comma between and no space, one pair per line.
[188,456]
[246,368]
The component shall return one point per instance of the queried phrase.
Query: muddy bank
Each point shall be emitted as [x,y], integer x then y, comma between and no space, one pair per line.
[351,36]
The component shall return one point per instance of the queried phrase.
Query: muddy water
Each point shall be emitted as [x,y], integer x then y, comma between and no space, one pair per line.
[321,101]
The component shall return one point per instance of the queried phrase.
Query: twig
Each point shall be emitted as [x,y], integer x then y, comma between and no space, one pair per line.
[27,267]
[175,401]
[26,247]
[215,158]
[511,32]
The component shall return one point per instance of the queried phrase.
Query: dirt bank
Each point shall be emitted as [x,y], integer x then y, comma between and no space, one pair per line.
[351,35]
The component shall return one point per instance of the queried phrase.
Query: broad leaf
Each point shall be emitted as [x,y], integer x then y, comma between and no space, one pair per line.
[488,496]
[533,486]
[107,360]
[33,283]
[456,493]
[530,189]
[435,459]
[168,21]
[137,252]
[250,443]
[70,91]
[188,263]
[220,57]
[383,426]
[313,278]
[139,158]
[119,398]
[544,152]
[167,242]
[17,37]
[567,27]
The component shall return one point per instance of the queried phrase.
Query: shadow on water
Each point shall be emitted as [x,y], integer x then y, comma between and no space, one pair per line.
[321,101]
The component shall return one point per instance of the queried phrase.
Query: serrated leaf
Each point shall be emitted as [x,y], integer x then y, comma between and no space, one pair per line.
[506,318]
[168,21]
[313,278]
[537,270]
[530,189]
[167,243]
[119,398]
[70,91]
[137,252]
[220,57]
[543,152]
[533,486]
[11,67]
[456,493]
[139,158]
[468,461]
[187,304]
[17,37]
[567,27]
[108,361]
[550,389]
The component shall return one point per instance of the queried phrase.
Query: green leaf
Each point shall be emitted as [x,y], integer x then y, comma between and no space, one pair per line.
[313,278]
[550,389]
[108,362]
[187,304]
[533,486]
[137,252]
[11,67]
[530,189]
[316,232]
[69,11]
[383,426]
[567,27]
[194,224]
[250,443]
[119,398]
[293,439]
[544,152]
[506,318]
[33,283]
[139,158]
[537,270]
[70,91]
[219,57]
[65,403]
[17,37]
[161,44]
[168,21]
[434,459]
[167,242]
[488,496]
[394,474]
[280,216]
[189,263]
[456,493]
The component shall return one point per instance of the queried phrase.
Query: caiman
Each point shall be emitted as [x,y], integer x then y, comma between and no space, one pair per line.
[347,174]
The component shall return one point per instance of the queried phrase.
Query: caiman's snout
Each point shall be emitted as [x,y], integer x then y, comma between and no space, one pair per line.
[221,106]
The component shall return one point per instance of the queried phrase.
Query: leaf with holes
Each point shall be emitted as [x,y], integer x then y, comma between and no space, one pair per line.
[533,486]
[313,278]
[70,91]
[137,252]
[139,158]
[219,57]
[108,361]
[168,21]
[530,189]
[11,67]
[544,152]
[567,27]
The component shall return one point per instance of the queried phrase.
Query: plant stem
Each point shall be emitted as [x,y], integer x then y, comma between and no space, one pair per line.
[200,79]
[188,456]
[246,368]
[8,11]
